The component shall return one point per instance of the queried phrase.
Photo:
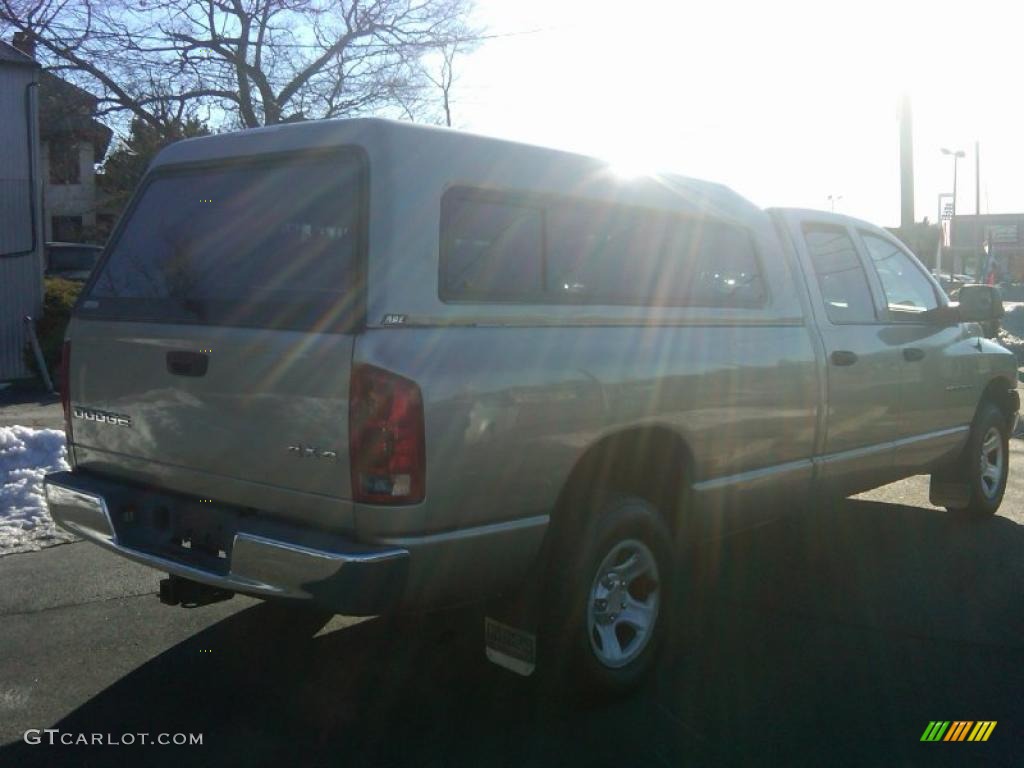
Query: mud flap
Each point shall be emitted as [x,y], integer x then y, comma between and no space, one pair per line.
[949,492]
[510,647]
[510,629]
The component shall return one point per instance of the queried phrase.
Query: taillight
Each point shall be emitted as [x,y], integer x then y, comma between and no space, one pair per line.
[386,441]
[65,388]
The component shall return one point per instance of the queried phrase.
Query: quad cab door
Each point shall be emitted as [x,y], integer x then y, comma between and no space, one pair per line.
[939,386]
[863,370]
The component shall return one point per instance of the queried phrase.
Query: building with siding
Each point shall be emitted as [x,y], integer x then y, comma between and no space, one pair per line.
[72,142]
[21,237]
[1004,232]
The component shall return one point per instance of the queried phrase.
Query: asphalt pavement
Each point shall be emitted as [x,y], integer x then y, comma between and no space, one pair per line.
[30,408]
[831,639]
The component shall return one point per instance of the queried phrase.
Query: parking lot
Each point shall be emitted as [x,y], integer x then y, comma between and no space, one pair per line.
[831,639]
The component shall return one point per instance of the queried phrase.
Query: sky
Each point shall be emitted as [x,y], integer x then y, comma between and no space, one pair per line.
[787,102]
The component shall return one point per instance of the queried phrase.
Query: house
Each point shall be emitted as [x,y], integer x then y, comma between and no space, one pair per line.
[72,142]
[50,142]
[21,239]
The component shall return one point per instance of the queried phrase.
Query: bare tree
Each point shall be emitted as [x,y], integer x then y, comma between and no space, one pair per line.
[444,78]
[437,70]
[246,62]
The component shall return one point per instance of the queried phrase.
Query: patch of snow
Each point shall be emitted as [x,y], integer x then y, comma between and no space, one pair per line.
[1013,343]
[1013,320]
[26,455]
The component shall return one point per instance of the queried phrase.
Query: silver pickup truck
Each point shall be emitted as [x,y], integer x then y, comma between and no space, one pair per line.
[374,367]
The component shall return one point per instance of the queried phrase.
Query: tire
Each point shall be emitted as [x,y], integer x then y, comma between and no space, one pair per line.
[985,462]
[612,590]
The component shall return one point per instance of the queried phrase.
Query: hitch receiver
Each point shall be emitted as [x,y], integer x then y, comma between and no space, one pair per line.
[175,590]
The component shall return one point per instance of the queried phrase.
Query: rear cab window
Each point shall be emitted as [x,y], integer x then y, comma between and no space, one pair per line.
[266,243]
[506,247]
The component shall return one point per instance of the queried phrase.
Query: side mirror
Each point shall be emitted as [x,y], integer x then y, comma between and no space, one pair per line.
[980,304]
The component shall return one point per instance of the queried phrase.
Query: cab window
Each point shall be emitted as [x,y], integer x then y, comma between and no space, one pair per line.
[908,292]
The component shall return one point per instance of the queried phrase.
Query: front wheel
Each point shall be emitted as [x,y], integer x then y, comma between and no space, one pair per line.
[612,601]
[986,461]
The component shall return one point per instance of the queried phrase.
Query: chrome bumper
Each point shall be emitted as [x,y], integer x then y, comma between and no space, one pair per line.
[345,577]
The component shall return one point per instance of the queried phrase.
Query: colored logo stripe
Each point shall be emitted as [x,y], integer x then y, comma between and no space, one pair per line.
[935,730]
[982,730]
[958,730]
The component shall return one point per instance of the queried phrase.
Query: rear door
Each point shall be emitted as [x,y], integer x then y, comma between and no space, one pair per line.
[863,370]
[219,325]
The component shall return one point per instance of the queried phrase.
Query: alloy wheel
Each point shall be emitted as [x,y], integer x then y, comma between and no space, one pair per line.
[623,603]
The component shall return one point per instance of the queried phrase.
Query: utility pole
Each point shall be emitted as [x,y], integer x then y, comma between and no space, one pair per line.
[977,202]
[906,166]
[977,178]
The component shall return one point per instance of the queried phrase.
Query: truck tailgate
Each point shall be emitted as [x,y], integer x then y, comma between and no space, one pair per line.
[271,407]
[210,353]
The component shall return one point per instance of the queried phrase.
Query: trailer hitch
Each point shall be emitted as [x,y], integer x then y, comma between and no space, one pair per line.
[175,590]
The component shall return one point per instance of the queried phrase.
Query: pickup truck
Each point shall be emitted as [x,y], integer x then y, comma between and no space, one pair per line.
[370,366]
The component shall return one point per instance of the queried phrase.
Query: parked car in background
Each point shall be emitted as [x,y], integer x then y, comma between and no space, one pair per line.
[377,366]
[952,283]
[1012,292]
[72,261]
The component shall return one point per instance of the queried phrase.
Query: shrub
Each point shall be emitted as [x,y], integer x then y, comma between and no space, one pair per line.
[58,299]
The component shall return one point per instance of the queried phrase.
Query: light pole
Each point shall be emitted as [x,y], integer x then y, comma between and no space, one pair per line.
[832,200]
[957,154]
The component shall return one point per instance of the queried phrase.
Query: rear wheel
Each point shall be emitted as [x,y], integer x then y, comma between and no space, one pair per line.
[986,462]
[610,612]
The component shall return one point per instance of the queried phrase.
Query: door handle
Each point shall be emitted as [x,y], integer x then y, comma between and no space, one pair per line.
[913,354]
[181,363]
[843,357]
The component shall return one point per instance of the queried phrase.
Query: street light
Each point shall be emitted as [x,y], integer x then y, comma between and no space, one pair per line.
[957,154]
[832,200]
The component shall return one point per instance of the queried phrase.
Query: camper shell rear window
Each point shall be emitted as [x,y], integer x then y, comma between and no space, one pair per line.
[274,242]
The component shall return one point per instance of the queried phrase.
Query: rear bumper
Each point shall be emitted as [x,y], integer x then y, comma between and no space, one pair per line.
[251,554]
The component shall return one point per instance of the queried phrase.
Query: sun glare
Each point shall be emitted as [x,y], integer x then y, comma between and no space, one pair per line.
[786,103]
[632,167]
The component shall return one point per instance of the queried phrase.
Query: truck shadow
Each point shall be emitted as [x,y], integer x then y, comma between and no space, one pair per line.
[836,637]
